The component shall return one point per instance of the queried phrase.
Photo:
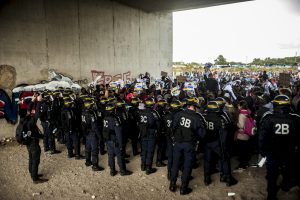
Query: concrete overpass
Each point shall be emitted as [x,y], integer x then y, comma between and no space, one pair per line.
[85,38]
[174,5]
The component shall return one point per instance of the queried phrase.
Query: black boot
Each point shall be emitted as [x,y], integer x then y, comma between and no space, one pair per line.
[55,152]
[169,175]
[97,168]
[126,172]
[172,186]
[150,170]
[230,181]
[70,155]
[207,180]
[113,172]
[143,167]
[78,157]
[184,190]
[40,180]
[222,178]
[160,164]
[88,163]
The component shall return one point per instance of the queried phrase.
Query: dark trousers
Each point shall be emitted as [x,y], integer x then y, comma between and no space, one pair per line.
[170,154]
[73,143]
[134,140]
[273,166]
[211,150]
[114,150]
[101,146]
[183,155]
[49,138]
[92,148]
[148,147]
[34,152]
[243,150]
[161,147]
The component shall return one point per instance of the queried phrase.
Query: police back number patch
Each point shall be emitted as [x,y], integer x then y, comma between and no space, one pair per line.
[185,122]
[144,119]
[210,126]
[282,129]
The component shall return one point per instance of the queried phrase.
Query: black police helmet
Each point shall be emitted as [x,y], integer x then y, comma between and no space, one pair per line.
[281,101]
[149,102]
[109,107]
[193,102]
[120,103]
[221,101]
[135,101]
[175,104]
[213,106]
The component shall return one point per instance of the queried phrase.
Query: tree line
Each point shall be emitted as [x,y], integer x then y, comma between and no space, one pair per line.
[221,60]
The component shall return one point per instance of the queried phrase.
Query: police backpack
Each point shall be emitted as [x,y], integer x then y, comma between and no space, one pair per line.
[23,135]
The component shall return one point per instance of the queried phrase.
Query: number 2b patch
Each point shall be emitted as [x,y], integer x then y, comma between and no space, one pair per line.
[282,129]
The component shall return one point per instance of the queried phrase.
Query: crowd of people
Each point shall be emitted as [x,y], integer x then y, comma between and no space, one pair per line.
[224,115]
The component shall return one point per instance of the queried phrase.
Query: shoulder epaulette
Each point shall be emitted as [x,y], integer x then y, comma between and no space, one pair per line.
[157,114]
[225,119]
[265,115]
[202,118]
[294,114]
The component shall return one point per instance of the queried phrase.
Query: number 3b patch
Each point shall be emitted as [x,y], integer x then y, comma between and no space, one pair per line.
[185,122]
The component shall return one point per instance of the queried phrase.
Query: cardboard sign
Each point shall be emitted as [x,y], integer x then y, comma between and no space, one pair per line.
[181,79]
[175,91]
[138,87]
[162,73]
[114,84]
[284,79]
[115,78]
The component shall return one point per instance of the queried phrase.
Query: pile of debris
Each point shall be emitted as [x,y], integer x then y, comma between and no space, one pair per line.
[5,141]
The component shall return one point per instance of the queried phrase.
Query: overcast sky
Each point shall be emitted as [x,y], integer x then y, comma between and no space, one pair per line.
[240,32]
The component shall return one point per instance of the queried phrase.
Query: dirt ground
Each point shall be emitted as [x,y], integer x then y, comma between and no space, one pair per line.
[71,179]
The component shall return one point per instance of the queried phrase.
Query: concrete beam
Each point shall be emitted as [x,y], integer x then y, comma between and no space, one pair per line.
[174,5]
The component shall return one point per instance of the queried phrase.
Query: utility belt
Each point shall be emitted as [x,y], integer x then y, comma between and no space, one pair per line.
[144,129]
[181,136]
[109,135]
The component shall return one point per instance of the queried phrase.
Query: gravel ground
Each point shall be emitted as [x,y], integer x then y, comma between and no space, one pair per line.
[71,179]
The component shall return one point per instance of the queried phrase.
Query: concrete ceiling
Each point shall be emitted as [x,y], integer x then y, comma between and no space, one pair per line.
[174,5]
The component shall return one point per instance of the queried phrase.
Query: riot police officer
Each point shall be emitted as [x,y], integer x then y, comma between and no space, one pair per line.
[33,147]
[57,105]
[70,128]
[187,126]
[112,134]
[100,114]
[215,141]
[90,127]
[149,125]
[121,112]
[161,136]
[279,141]
[44,110]
[133,122]
[175,107]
